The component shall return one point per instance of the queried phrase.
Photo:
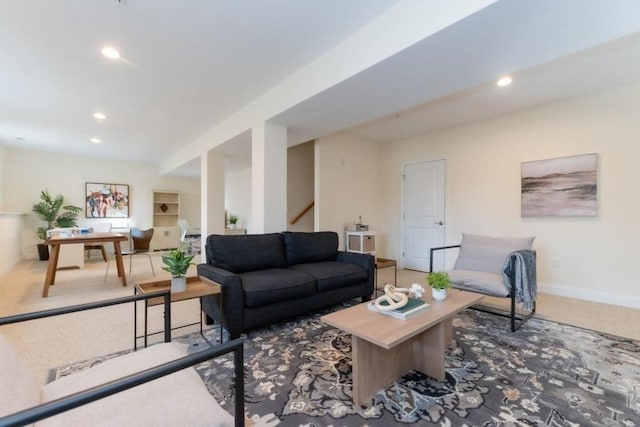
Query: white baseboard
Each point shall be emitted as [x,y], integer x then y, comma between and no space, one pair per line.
[588,295]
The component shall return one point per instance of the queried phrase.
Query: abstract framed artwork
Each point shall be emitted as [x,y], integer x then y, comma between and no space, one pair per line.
[564,186]
[103,200]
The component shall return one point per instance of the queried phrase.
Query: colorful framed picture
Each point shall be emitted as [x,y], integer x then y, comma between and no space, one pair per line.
[103,200]
[565,186]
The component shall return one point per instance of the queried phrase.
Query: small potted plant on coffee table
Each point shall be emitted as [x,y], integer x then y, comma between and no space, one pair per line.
[177,263]
[439,282]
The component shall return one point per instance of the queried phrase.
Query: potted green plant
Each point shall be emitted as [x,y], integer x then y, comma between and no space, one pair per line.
[233,220]
[56,214]
[439,282]
[177,263]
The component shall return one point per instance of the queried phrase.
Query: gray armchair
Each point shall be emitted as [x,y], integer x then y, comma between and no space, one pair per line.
[498,267]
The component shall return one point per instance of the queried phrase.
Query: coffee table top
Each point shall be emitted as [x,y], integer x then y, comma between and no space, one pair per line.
[386,331]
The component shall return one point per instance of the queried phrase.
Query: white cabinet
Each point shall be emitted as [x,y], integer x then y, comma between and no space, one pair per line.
[363,242]
[165,215]
[165,238]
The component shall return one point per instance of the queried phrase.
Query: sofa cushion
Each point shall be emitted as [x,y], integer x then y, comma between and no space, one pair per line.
[251,252]
[19,388]
[478,281]
[183,390]
[302,248]
[488,254]
[274,285]
[333,275]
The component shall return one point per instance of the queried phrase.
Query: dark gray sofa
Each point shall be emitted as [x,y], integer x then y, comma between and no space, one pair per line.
[270,277]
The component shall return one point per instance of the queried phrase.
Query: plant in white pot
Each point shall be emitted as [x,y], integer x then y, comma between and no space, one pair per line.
[177,263]
[233,220]
[439,282]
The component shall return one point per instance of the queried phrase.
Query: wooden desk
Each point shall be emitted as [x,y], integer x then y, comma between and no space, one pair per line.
[57,240]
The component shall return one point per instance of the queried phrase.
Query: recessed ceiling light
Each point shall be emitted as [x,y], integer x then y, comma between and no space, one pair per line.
[504,81]
[110,52]
[99,116]
[95,140]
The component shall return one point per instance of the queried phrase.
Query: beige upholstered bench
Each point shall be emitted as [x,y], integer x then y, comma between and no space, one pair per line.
[502,267]
[157,386]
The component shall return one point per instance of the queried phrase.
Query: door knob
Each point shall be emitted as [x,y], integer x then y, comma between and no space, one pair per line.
[439,223]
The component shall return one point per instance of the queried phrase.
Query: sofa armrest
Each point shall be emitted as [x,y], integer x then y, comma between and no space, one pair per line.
[232,298]
[438,248]
[365,261]
[223,277]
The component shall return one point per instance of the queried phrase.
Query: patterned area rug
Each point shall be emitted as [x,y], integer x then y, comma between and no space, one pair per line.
[298,373]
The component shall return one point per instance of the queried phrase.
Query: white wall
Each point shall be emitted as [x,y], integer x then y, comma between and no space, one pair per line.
[26,173]
[592,258]
[299,189]
[347,186]
[237,195]
[11,227]
[2,178]
[300,185]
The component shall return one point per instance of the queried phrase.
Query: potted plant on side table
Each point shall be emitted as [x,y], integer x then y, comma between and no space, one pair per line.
[233,220]
[48,209]
[439,282]
[177,263]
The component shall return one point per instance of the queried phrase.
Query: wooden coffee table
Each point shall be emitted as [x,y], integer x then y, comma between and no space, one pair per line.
[385,348]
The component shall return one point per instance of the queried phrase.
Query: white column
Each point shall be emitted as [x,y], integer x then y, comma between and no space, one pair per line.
[268,178]
[212,195]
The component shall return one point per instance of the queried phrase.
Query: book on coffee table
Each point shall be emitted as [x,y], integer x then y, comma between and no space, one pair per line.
[412,307]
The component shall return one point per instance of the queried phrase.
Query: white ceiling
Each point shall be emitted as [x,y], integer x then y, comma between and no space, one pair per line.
[612,64]
[449,78]
[188,65]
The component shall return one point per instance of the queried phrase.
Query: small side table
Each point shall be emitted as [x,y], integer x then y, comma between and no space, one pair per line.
[196,287]
[386,263]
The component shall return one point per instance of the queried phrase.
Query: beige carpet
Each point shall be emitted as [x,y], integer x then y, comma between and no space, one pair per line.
[65,339]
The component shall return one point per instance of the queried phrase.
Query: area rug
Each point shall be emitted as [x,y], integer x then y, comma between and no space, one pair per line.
[298,373]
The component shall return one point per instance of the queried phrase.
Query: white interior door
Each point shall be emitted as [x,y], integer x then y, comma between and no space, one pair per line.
[422,212]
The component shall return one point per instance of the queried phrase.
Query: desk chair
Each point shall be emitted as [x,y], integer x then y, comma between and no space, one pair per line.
[141,246]
[190,236]
[102,227]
